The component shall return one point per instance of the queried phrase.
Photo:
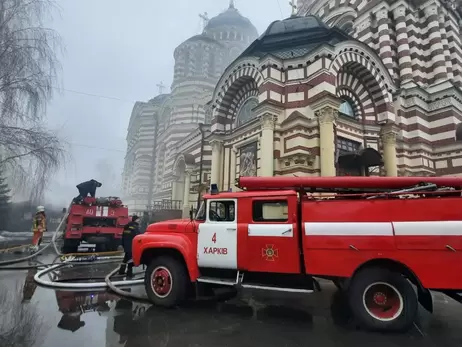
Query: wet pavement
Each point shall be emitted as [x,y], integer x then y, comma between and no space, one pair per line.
[98,318]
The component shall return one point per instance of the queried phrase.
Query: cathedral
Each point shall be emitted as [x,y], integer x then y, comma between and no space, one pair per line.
[341,87]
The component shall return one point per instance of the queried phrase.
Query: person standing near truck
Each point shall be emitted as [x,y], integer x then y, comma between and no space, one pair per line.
[39,226]
[130,231]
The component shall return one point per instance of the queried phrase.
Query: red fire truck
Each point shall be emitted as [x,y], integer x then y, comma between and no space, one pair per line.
[98,221]
[385,241]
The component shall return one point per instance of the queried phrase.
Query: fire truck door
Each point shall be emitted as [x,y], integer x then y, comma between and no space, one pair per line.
[217,239]
[272,243]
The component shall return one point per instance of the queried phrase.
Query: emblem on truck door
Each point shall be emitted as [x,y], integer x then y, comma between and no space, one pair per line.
[270,253]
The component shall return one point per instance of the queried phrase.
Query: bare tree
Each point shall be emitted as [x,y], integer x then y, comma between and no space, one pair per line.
[20,324]
[28,72]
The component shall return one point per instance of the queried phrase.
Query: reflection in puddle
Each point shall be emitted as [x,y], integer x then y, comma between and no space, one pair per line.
[29,287]
[74,304]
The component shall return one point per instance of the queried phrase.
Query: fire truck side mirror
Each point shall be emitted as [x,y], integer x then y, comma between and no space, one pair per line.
[191,213]
[64,210]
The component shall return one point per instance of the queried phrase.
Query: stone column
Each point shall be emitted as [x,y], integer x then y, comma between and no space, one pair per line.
[217,162]
[232,169]
[268,122]
[439,72]
[445,43]
[402,38]
[327,117]
[388,135]
[187,187]
[174,187]
[383,29]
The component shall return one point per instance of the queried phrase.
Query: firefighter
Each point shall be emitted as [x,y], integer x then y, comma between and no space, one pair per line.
[130,231]
[88,187]
[39,226]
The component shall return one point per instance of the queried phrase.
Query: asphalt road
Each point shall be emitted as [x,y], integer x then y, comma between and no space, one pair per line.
[254,318]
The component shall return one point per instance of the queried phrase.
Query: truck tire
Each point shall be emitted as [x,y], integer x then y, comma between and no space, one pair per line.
[166,281]
[382,300]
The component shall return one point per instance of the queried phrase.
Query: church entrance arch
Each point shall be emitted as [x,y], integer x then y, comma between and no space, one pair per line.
[183,168]
[360,72]
[235,88]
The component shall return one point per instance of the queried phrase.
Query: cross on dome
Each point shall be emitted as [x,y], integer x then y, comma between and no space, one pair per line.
[293,5]
[205,19]
[161,87]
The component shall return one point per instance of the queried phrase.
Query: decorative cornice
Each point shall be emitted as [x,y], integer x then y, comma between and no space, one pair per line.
[389,134]
[327,115]
[268,121]
[289,162]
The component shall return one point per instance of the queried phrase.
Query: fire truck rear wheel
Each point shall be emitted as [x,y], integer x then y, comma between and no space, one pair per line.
[383,300]
[166,281]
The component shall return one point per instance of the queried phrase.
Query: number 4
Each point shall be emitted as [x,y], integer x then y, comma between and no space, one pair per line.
[214,238]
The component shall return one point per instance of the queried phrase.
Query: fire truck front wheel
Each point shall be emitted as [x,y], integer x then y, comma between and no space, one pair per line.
[166,281]
[383,300]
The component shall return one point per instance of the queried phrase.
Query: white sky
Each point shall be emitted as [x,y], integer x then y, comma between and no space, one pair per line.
[121,49]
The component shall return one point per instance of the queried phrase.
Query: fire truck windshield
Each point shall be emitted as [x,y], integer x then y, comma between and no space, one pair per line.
[200,215]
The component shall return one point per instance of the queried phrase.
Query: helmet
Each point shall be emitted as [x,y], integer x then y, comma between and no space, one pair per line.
[40,209]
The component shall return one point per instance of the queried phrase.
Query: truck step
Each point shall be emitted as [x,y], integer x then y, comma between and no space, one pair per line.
[214,280]
[275,288]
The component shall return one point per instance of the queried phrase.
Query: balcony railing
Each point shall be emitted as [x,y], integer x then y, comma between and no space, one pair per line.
[166,204]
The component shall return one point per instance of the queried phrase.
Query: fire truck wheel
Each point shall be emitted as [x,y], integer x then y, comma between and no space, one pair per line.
[383,300]
[166,281]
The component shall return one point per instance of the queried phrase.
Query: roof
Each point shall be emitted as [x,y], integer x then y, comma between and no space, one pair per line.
[200,37]
[159,98]
[295,37]
[231,17]
[353,182]
[252,194]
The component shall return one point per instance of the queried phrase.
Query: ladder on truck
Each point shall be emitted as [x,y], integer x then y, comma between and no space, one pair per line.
[361,187]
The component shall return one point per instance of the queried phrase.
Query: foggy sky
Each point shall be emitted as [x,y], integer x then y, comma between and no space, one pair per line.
[121,49]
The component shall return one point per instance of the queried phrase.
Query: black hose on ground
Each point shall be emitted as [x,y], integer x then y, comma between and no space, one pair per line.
[120,291]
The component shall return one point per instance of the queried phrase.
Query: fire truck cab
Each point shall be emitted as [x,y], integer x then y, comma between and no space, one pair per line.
[98,221]
[386,241]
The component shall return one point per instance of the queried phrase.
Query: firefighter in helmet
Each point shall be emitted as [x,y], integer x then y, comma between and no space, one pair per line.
[39,226]
[130,231]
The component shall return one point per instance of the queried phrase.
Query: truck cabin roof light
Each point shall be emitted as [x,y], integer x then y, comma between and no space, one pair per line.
[214,189]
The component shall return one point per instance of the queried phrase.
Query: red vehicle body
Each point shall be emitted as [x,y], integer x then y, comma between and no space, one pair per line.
[97,221]
[377,238]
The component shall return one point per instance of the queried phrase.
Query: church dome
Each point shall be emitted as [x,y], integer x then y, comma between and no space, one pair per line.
[231,18]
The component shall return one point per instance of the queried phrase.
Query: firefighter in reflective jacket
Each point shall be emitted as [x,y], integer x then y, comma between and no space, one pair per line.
[130,231]
[39,226]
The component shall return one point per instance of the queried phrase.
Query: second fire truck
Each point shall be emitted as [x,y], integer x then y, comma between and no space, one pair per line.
[385,241]
[98,221]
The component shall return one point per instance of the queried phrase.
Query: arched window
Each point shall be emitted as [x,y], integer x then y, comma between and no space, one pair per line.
[347,109]
[347,27]
[245,112]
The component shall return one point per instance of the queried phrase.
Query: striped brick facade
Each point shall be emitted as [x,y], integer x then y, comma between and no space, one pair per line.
[419,44]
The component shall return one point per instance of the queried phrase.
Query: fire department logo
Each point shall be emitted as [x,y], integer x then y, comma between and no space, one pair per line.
[269,253]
